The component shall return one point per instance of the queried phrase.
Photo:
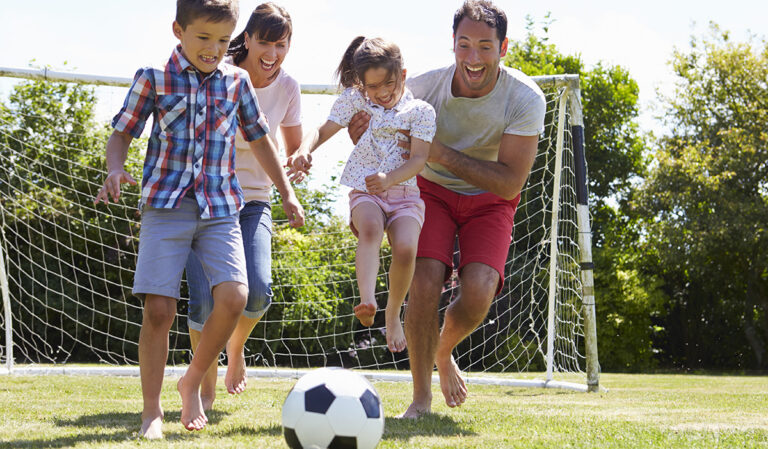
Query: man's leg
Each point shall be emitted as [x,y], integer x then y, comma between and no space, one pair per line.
[157,319]
[478,287]
[422,331]
[229,302]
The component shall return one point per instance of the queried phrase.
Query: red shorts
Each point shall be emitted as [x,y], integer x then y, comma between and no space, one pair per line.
[482,222]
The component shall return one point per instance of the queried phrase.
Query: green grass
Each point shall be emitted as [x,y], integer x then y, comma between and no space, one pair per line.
[638,411]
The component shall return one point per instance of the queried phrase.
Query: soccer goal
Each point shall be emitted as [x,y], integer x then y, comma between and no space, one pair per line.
[66,266]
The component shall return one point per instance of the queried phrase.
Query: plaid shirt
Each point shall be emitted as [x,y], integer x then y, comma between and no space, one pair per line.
[192,144]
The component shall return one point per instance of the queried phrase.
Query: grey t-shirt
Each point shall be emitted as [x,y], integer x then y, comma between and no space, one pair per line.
[474,126]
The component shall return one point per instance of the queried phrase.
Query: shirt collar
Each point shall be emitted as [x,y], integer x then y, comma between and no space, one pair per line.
[178,63]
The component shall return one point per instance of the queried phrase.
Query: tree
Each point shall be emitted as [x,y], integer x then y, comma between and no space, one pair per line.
[705,204]
[627,293]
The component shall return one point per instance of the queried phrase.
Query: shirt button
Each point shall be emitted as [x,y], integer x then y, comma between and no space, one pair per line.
[200,138]
[197,165]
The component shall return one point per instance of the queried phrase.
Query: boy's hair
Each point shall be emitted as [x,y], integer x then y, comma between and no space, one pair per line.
[187,11]
[363,54]
[268,22]
[482,11]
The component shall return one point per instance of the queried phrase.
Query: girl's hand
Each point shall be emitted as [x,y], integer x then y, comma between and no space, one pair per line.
[112,186]
[298,165]
[377,183]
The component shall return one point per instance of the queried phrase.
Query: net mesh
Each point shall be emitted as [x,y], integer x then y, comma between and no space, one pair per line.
[70,264]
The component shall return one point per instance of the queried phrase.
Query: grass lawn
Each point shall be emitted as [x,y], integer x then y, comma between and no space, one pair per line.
[638,411]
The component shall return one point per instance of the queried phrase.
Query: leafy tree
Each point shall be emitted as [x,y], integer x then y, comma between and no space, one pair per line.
[627,293]
[705,204]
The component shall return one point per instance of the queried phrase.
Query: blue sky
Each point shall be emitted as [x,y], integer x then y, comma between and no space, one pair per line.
[114,37]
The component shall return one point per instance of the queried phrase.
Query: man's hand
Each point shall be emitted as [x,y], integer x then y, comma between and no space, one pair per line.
[112,186]
[293,211]
[357,126]
[377,183]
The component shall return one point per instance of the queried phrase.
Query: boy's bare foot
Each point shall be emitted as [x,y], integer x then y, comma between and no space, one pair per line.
[235,380]
[192,414]
[152,426]
[417,410]
[395,334]
[451,382]
[365,312]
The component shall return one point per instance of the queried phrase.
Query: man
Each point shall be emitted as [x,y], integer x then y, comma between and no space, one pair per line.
[488,122]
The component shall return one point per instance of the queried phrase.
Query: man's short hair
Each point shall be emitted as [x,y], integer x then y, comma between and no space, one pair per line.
[482,11]
[187,11]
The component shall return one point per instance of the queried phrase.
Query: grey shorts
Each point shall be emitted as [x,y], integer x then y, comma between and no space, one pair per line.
[168,235]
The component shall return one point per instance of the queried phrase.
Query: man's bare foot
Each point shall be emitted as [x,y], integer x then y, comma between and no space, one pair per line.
[395,334]
[417,409]
[152,426]
[192,414]
[365,312]
[451,382]
[235,380]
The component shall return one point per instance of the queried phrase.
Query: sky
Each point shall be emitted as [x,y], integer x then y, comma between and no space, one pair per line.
[115,37]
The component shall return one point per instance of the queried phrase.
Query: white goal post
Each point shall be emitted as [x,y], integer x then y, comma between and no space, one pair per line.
[66,266]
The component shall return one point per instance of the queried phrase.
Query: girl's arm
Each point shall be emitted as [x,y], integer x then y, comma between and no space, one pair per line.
[379,182]
[301,160]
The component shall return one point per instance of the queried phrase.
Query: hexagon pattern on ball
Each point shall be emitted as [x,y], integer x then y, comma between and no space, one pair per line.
[333,408]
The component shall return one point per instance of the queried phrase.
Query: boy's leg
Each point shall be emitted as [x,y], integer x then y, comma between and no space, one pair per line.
[200,306]
[404,239]
[218,244]
[256,227]
[157,319]
[368,220]
[229,301]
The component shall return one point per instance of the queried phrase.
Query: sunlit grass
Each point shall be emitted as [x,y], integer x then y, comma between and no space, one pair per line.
[638,411]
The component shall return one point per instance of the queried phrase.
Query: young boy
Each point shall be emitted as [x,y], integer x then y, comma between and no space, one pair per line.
[190,196]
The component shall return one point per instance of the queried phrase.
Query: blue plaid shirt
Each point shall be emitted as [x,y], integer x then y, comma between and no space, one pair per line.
[192,144]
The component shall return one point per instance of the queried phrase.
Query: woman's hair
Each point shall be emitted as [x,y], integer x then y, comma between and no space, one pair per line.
[363,54]
[268,22]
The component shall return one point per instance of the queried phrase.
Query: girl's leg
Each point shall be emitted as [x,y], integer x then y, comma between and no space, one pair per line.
[256,226]
[368,219]
[404,238]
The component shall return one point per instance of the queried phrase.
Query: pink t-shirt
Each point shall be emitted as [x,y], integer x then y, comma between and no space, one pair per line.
[280,102]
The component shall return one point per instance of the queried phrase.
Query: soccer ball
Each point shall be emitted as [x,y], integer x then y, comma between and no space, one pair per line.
[333,408]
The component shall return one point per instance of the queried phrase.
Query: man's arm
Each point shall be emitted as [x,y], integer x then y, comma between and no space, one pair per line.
[266,153]
[505,177]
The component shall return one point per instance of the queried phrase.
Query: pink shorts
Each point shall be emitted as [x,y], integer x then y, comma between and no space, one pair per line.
[397,201]
[482,222]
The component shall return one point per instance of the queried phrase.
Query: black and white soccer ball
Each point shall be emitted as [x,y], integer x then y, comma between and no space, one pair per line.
[333,408]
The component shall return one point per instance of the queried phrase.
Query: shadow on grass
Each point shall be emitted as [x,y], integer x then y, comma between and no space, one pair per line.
[128,419]
[428,425]
[264,431]
[530,393]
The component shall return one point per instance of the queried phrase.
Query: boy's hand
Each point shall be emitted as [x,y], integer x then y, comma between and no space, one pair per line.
[293,211]
[112,186]
[377,183]
[357,125]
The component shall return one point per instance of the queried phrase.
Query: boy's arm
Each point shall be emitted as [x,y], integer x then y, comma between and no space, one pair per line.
[379,182]
[117,152]
[266,153]
[301,160]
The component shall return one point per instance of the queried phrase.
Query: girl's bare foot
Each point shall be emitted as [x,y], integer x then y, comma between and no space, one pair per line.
[395,333]
[365,312]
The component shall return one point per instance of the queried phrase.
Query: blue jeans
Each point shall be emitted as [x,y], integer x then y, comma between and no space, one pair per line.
[256,227]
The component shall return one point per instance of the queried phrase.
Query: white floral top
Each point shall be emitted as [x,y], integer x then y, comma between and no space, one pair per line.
[377,149]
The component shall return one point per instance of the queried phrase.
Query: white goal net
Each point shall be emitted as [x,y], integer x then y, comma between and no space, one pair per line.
[67,265]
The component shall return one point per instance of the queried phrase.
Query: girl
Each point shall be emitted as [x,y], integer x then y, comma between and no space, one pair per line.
[260,49]
[384,195]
